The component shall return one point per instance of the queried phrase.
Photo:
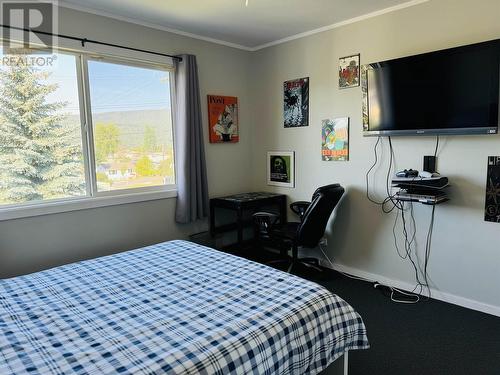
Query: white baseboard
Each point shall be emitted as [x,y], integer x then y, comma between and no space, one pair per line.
[436,294]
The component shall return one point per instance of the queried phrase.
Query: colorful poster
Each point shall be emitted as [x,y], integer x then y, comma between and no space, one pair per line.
[349,71]
[492,204]
[335,139]
[296,102]
[364,91]
[223,119]
[281,168]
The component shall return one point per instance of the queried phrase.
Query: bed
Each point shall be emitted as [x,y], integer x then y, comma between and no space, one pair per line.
[172,308]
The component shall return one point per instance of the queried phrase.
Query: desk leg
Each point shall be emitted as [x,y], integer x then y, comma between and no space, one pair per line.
[283,210]
[239,221]
[212,219]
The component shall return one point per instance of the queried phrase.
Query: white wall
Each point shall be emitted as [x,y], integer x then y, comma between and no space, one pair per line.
[465,253]
[30,244]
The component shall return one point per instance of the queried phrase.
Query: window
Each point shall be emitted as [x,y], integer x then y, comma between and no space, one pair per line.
[83,128]
[132,126]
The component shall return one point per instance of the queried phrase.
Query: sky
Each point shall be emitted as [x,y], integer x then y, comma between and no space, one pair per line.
[113,87]
[121,88]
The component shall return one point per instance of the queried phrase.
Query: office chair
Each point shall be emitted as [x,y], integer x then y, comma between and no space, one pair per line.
[307,233]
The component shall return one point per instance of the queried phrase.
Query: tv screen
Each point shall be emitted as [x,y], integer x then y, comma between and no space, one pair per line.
[453,91]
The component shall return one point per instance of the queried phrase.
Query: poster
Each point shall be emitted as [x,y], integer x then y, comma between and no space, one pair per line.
[223,119]
[364,92]
[281,168]
[492,204]
[296,102]
[335,139]
[349,71]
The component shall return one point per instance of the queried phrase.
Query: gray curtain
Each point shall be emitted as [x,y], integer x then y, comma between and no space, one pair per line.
[192,186]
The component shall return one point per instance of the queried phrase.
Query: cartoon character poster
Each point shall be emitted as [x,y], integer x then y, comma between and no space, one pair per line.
[296,102]
[335,139]
[492,204]
[349,71]
[223,119]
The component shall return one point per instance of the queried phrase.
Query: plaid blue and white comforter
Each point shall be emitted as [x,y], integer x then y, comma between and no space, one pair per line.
[174,308]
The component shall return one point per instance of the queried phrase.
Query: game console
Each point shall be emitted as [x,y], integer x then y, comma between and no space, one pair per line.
[422,196]
[412,183]
[407,173]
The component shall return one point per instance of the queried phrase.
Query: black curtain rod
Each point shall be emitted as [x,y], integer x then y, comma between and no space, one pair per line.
[85,40]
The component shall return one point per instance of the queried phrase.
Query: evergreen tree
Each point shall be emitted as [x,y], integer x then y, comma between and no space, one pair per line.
[39,158]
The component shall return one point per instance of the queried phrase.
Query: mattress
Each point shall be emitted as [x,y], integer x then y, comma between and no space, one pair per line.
[172,308]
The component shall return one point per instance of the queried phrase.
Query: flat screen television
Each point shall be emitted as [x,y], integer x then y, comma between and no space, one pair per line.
[452,91]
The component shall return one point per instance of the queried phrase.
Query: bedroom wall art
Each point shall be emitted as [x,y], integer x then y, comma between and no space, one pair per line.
[281,168]
[349,71]
[335,139]
[223,119]
[296,102]
[492,203]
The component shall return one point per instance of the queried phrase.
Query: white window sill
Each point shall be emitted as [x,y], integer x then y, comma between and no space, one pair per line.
[47,208]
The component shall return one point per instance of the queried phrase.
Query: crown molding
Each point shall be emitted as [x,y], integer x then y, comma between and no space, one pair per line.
[64,4]
[151,25]
[341,23]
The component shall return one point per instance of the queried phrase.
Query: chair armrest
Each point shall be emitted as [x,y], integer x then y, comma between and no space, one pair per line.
[300,207]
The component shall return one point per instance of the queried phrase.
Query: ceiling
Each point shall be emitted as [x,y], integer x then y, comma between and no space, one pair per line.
[258,25]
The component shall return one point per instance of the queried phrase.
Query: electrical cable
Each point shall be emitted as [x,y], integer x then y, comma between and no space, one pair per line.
[437,145]
[409,230]
[428,249]
[376,284]
[368,173]
[408,249]
[394,299]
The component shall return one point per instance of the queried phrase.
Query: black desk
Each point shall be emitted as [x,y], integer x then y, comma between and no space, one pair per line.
[241,203]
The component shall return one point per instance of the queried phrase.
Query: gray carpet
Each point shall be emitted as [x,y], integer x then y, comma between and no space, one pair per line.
[429,338]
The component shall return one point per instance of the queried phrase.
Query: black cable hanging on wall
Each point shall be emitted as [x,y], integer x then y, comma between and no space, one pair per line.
[83,41]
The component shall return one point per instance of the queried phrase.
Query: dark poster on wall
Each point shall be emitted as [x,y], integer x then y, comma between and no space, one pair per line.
[492,206]
[296,102]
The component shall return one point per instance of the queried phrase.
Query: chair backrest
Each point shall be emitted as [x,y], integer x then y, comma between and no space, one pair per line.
[316,217]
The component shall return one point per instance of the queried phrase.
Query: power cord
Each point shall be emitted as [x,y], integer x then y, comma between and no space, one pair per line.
[368,173]
[388,205]
[437,145]
[376,284]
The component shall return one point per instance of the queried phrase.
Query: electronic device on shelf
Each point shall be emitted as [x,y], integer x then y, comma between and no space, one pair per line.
[435,197]
[407,173]
[427,190]
[434,93]
[437,182]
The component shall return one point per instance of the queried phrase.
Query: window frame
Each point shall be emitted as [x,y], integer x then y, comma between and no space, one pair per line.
[93,197]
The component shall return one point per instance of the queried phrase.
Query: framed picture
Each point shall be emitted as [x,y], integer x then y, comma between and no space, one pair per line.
[335,139]
[296,102]
[223,119]
[349,71]
[364,91]
[281,168]
[492,202]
